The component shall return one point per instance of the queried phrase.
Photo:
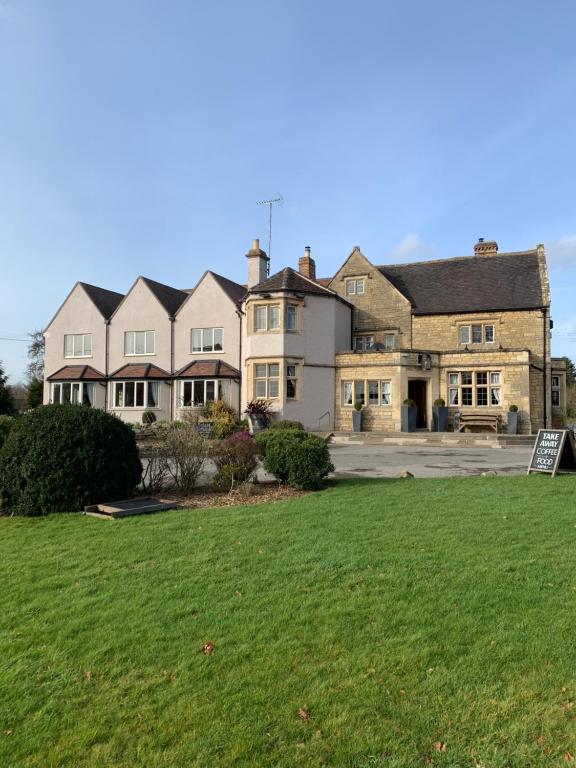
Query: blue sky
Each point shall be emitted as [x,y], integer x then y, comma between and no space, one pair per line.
[137,136]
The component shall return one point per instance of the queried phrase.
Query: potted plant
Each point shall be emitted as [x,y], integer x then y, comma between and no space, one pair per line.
[513,420]
[440,415]
[258,412]
[357,417]
[408,415]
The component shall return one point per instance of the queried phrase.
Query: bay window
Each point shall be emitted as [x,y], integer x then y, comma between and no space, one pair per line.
[267,317]
[267,380]
[196,393]
[290,318]
[72,392]
[291,382]
[136,394]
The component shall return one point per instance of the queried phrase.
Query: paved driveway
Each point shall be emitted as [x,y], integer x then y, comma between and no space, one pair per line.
[389,460]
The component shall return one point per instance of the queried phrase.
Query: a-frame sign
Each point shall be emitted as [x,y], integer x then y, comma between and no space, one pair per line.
[554,452]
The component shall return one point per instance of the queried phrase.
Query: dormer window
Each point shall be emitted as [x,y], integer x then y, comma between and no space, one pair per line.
[354,287]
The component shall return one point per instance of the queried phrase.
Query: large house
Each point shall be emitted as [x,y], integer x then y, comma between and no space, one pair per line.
[474,330]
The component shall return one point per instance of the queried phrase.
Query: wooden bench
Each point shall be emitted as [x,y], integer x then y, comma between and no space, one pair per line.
[464,420]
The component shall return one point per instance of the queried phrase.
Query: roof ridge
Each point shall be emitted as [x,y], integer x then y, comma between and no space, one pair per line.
[457,258]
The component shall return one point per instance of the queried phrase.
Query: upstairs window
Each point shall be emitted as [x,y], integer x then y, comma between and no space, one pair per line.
[207,339]
[476,334]
[78,345]
[389,342]
[290,321]
[139,342]
[266,317]
[354,287]
[363,343]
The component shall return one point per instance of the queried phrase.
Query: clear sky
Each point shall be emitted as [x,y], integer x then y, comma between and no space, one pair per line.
[137,135]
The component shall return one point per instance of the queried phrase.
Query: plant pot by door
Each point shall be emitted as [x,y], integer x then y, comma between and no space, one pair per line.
[357,421]
[408,415]
[512,423]
[440,418]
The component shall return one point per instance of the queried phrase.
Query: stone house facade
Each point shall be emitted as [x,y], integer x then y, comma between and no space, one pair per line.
[474,331]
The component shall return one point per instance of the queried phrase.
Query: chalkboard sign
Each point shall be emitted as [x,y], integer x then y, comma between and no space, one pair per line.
[554,451]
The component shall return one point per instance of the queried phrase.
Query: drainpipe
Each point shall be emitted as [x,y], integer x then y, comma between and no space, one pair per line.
[545,366]
[172,395]
[106,353]
[239,312]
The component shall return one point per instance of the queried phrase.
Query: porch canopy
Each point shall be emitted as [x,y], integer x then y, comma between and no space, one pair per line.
[208,369]
[77,373]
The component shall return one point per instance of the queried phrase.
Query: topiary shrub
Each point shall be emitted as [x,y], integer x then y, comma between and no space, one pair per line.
[5,426]
[286,424]
[236,459]
[309,463]
[275,447]
[59,458]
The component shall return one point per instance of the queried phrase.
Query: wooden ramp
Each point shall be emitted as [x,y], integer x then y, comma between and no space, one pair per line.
[128,507]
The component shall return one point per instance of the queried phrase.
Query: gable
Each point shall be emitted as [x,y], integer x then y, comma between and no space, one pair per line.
[357,265]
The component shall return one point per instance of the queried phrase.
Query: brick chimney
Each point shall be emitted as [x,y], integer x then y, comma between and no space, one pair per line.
[258,263]
[307,265]
[485,247]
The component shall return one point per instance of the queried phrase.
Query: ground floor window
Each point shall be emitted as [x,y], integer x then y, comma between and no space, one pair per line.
[373,392]
[556,391]
[136,394]
[74,392]
[198,392]
[474,388]
[267,380]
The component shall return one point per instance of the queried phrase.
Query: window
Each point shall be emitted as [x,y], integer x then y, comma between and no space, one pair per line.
[469,388]
[363,343]
[74,392]
[139,342]
[207,339]
[555,391]
[379,392]
[291,382]
[197,392]
[290,317]
[389,342]
[136,394]
[354,287]
[267,380]
[78,345]
[267,317]
[476,334]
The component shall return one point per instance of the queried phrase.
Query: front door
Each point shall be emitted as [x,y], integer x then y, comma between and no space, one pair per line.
[417,392]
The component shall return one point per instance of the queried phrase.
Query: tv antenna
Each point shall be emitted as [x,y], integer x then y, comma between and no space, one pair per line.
[280,201]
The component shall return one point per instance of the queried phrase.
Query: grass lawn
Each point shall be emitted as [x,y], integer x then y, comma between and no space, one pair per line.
[415,622]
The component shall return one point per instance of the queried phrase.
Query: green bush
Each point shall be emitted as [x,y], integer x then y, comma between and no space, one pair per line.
[310,463]
[286,424]
[5,426]
[59,458]
[223,418]
[295,457]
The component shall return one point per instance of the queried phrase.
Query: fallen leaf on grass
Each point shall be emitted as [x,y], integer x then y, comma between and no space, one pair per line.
[207,648]
[8,732]
[568,757]
[88,675]
[440,746]
[304,713]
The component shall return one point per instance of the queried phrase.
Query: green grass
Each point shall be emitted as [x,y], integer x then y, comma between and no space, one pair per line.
[401,613]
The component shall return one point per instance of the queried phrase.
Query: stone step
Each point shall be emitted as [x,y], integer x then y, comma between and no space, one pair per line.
[429,439]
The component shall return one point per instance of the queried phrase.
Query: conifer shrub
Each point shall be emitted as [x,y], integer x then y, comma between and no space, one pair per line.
[59,458]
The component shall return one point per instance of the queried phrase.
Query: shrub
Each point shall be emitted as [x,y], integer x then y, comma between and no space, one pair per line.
[236,459]
[187,450]
[59,458]
[310,463]
[513,409]
[276,447]
[156,467]
[5,426]
[148,417]
[439,402]
[286,424]
[409,402]
[223,418]
[358,405]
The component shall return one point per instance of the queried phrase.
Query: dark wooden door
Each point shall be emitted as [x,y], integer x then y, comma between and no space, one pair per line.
[417,392]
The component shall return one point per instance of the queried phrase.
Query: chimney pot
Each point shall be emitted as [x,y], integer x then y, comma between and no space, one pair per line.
[258,262]
[307,265]
[485,247]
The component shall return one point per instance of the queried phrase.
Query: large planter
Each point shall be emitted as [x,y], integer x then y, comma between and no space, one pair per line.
[512,422]
[408,415]
[439,418]
[258,422]
[357,421]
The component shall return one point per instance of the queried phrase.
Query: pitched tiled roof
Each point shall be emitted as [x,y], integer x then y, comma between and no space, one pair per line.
[140,371]
[290,280]
[170,298]
[77,373]
[234,290]
[105,300]
[208,368]
[506,281]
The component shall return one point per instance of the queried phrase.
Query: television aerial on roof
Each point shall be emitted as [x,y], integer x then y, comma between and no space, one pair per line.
[278,201]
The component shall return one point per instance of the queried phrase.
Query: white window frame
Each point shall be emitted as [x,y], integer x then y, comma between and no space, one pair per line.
[131,338]
[292,376]
[354,389]
[268,311]
[457,384]
[121,386]
[355,286]
[363,343]
[205,334]
[469,330]
[221,389]
[291,311]
[81,387]
[76,337]
[270,380]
